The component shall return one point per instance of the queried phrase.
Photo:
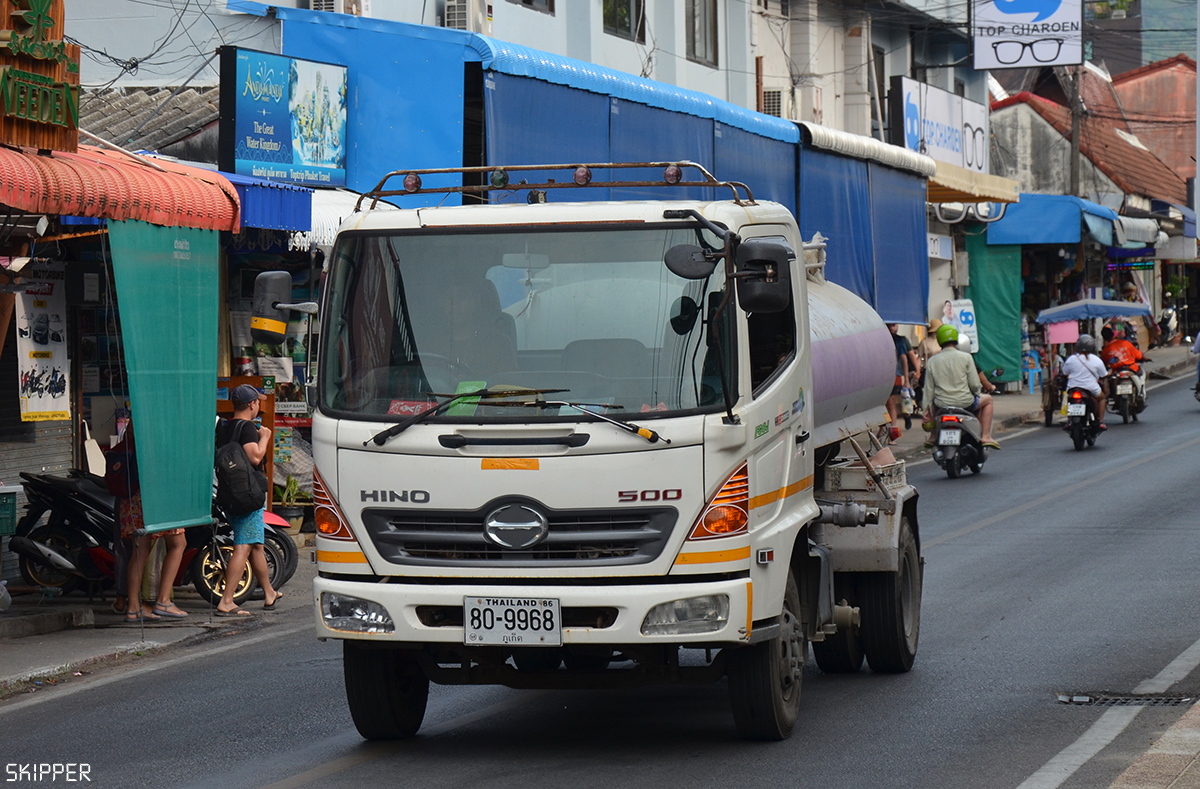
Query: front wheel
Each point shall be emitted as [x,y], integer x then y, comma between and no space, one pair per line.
[891,610]
[386,690]
[61,537]
[764,679]
[208,574]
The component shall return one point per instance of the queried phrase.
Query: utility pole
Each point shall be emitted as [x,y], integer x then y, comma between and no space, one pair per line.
[1076,117]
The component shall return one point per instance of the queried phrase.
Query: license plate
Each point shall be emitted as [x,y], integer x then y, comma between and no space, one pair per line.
[1125,389]
[521,621]
[950,438]
[1076,409]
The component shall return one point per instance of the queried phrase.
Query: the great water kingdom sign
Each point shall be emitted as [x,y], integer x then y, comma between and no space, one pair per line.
[39,77]
[282,118]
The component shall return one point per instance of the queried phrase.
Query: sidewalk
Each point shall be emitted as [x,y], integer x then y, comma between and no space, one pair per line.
[46,641]
[1019,409]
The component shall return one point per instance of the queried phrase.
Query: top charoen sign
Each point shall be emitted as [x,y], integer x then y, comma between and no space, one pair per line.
[1026,33]
[39,77]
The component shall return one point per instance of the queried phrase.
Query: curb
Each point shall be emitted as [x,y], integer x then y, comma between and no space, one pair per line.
[40,623]
[10,683]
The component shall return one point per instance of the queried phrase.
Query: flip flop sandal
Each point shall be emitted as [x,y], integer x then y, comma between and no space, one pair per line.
[139,616]
[234,613]
[165,611]
[271,605]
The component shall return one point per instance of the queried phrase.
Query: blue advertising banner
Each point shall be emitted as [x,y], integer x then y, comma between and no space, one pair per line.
[283,118]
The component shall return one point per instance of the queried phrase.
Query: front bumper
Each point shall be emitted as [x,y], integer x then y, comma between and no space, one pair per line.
[631,604]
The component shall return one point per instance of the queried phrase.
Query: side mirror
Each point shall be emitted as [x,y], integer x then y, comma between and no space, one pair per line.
[268,323]
[684,313]
[764,276]
[689,262]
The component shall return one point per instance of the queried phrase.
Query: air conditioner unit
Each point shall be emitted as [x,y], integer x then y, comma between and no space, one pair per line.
[354,7]
[472,15]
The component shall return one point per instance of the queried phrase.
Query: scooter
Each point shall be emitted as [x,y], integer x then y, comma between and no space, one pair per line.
[74,545]
[1083,420]
[957,442]
[1125,399]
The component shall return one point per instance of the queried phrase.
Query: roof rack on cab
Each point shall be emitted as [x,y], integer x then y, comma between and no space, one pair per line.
[497,179]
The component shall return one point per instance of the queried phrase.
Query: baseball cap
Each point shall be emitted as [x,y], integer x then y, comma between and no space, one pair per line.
[244,395]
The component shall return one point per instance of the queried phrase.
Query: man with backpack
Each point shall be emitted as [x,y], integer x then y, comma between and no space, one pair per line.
[254,441]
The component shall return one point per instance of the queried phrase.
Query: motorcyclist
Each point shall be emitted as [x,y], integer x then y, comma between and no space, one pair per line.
[1085,370]
[1121,354]
[952,382]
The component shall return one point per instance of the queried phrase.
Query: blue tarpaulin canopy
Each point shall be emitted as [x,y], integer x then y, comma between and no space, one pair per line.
[1052,219]
[1092,308]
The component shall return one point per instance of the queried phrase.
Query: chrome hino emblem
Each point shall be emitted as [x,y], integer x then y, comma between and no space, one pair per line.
[515,527]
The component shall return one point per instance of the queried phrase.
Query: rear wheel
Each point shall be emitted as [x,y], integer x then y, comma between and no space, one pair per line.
[764,679]
[63,539]
[1123,407]
[891,610]
[953,466]
[289,556]
[1077,433]
[386,691]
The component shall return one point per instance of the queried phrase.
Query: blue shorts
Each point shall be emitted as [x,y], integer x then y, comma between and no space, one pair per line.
[248,528]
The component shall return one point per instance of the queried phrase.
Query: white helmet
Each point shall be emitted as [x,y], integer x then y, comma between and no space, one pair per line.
[964,342]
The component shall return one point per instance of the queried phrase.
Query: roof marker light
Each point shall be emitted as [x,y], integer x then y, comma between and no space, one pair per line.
[498,179]
[412,182]
[673,174]
[583,176]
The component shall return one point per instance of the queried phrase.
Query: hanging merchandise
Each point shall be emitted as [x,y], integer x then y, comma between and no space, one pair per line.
[42,344]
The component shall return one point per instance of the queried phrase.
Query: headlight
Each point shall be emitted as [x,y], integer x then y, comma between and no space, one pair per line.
[342,612]
[706,614]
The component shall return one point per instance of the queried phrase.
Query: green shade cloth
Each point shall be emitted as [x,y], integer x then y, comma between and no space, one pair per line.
[167,290]
[995,291]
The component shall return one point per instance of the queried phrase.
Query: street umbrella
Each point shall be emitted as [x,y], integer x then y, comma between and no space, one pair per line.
[1093,308]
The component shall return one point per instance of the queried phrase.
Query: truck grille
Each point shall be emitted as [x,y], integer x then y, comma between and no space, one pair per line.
[575,538]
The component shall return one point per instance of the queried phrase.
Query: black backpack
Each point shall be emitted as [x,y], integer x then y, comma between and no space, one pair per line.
[241,488]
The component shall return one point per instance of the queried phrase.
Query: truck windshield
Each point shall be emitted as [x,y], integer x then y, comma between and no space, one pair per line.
[413,317]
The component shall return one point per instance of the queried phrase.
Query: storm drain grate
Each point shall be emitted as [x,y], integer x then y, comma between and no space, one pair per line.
[1123,700]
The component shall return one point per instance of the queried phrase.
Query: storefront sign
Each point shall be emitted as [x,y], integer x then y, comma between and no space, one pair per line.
[1026,33]
[960,314]
[42,344]
[39,77]
[941,247]
[282,118]
[939,124]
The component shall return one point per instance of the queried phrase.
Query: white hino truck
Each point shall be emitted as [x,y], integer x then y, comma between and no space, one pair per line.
[573,444]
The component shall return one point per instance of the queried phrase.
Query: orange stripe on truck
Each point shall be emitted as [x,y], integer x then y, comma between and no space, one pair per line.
[714,557]
[342,557]
[764,499]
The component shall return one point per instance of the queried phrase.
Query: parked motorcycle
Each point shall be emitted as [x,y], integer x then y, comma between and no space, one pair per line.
[957,442]
[1083,419]
[74,544]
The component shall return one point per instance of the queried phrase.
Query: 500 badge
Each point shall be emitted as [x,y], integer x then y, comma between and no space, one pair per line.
[670,494]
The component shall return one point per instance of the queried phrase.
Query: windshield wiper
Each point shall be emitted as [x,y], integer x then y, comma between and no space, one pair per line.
[437,408]
[587,408]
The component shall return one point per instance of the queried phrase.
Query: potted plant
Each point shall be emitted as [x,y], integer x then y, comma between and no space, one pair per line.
[288,495]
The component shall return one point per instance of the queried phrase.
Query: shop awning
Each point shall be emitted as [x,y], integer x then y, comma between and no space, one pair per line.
[99,183]
[330,207]
[1181,215]
[1133,232]
[1093,308]
[954,184]
[271,204]
[1052,219]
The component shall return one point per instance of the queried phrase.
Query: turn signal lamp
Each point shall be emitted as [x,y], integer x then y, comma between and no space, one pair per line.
[673,174]
[412,182]
[498,179]
[583,176]
[728,511]
[327,515]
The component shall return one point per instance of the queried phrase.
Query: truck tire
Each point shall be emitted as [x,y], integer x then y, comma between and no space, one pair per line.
[386,691]
[891,610]
[765,679]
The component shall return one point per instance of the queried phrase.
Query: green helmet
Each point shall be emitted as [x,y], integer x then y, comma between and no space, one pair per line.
[947,334]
